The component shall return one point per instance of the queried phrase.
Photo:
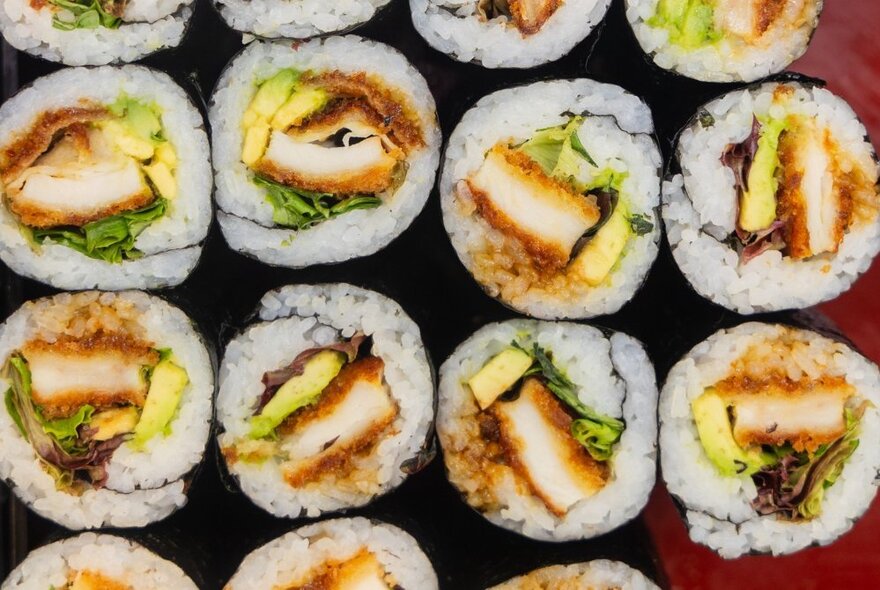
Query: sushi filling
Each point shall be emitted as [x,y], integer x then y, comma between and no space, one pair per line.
[321,413]
[80,394]
[791,433]
[696,24]
[92,580]
[528,16]
[323,144]
[361,571]
[69,15]
[798,190]
[558,219]
[531,423]
[90,177]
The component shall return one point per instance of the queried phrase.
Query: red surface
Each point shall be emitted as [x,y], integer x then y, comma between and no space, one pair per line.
[846,53]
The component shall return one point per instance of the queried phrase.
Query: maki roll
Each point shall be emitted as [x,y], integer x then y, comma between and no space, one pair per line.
[296,20]
[776,206]
[770,438]
[324,152]
[327,402]
[336,554]
[96,562]
[107,407]
[548,429]
[598,574]
[549,195]
[93,32]
[506,33]
[724,40]
[105,180]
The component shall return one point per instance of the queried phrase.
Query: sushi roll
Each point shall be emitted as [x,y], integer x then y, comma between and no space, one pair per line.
[549,194]
[296,20]
[506,33]
[107,407]
[724,40]
[335,554]
[105,180]
[776,206]
[96,562]
[770,438]
[94,32]
[598,574]
[327,402]
[323,152]
[549,429]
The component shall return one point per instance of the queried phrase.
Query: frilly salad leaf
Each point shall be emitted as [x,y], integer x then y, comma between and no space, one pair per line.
[595,432]
[84,14]
[300,209]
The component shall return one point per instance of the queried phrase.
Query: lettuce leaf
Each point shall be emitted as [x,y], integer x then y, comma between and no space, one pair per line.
[111,239]
[86,14]
[300,209]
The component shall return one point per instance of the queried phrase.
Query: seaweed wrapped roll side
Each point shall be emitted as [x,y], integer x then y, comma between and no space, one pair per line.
[327,402]
[770,438]
[96,562]
[107,407]
[548,429]
[777,204]
[599,574]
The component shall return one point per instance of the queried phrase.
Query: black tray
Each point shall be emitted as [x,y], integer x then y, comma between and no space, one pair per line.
[219,526]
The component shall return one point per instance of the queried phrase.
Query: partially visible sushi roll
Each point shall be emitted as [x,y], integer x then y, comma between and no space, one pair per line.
[107,407]
[342,553]
[599,574]
[327,402]
[506,33]
[548,429]
[549,194]
[724,40]
[777,204]
[323,152]
[770,438]
[105,180]
[96,562]
[94,32]
[296,20]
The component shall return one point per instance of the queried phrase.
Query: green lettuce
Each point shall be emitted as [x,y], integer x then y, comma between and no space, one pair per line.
[86,14]
[300,209]
[111,239]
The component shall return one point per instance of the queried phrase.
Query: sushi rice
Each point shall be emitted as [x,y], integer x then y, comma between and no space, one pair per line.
[123,561]
[296,20]
[600,573]
[614,378]
[618,132]
[146,27]
[143,486]
[700,207]
[717,508]
[291,320]
[244,214]
[172,244]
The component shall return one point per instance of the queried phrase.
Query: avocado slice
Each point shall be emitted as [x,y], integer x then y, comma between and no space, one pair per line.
[716,436]
[142,120]
[757,208]
[162,179]
[113,422]
[498,375]
[302,103]
[602,252]
[127,141]
[273,93]
[691,23]
[256,139]
[167,383]
[299,391]
[165,153]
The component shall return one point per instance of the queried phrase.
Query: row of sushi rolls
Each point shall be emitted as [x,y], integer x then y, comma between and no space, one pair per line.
[554,197]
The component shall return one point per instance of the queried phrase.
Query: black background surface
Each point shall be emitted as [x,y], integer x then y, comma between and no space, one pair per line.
[219,526]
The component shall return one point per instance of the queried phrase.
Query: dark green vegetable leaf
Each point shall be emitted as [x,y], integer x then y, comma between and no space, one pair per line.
[111,239]
[300,209]
[641,224]
[579,148]
[595,432]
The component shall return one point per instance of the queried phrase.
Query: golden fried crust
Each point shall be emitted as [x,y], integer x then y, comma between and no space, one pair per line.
[790,204]
[767,13]
[120,344]
[369,180]
[92,580]
[530,15]
[16,157]
[337,460]
[333,574]
[590,471]
[35,216]
[399,117]
[340,111]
